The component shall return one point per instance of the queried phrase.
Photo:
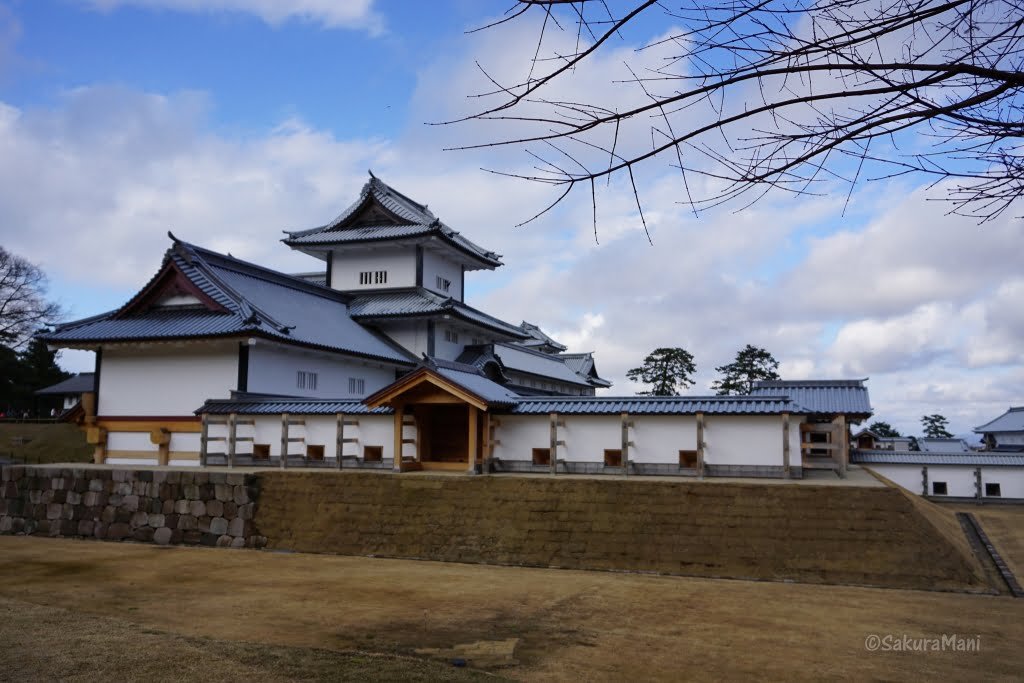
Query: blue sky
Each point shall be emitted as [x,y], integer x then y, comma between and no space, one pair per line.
[121,119]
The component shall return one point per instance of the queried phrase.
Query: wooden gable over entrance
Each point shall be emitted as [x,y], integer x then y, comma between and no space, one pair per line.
[439,425]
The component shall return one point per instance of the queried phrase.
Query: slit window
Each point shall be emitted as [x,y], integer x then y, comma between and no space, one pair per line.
[613,457]
[261,451]
[451,336]
[306,380]
[939,488]
[541,456]
[356,385]
[373,277]
[688,459]
[443,284]
[373,453]
[992,489]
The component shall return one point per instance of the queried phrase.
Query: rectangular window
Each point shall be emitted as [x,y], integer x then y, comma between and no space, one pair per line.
[315,452]
[380,277]
[938,488]
[688,459]
[306,380]
[993,490]
[451,336]
[613,457]
[541,456]
[443,284]
[366,278]
[356,385]
[373,453]
[261,451]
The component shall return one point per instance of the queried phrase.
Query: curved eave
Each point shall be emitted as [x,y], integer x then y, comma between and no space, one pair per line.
[434,314]
[307,247]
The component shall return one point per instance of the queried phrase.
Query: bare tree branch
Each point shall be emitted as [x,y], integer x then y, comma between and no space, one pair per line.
[24,309]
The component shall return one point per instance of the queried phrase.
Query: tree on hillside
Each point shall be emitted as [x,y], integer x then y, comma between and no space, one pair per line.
[751,365]
[23,305]
[740,97]
[935,427]
[667,370]
[883,429]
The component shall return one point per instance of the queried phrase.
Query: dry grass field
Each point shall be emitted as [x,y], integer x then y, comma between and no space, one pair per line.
[43,443]
[78,610]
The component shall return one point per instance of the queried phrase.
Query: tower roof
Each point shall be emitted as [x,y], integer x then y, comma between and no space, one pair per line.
[382,214]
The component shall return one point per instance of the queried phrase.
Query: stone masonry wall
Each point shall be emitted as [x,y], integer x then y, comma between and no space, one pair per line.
[150,506]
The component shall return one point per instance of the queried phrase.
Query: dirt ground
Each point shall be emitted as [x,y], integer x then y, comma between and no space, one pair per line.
[526,624]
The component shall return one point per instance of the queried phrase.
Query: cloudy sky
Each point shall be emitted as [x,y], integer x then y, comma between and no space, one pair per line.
[227,121]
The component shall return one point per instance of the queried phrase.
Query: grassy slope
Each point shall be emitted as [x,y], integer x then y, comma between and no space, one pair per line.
[45,443]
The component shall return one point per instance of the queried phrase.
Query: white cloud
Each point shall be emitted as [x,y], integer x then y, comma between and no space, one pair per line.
[355,14]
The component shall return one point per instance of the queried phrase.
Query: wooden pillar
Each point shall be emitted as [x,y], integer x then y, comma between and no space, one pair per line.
[553,446]
[977,484]
[844,445]
[284,441]
[472,443]
[924,480]
[625,444]
[399,432]
[485,466]
[232,438]
[204,436]
[163,449]
[339,444]
[785,445]
[700,445]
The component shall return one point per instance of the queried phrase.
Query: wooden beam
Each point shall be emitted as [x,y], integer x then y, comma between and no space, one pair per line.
[399,426]
[625,444]
[284,441]
[203,437]
[485,466]
[232,438]
[844,445]
[785,445]
[977,484]
[924,480]
[339,444]
[472,444]
[553,449]
[700,445]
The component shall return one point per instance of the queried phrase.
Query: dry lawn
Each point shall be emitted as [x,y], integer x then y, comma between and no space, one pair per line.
[566,625]
[44,443]
[1004,525]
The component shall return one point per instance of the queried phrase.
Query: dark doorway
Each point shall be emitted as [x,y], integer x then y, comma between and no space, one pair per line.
[444,433]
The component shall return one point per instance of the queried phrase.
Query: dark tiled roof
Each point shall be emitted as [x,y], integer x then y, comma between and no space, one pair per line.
[256,301]
[520,359]
[583,364]
[657,405]
[81,383]
[828,396]
[275,405]
[419,302]
[976,459]
[1010,421]
[932,445]
[473,381]
[411,220]
[538,337]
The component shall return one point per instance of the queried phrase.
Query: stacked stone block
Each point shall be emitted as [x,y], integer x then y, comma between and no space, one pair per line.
[148,506]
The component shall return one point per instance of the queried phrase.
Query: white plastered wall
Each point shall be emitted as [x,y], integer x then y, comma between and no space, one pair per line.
[318,430]
[165,380]
[435,264]
[399,262]
[410,335]
[960,481]
[274,368]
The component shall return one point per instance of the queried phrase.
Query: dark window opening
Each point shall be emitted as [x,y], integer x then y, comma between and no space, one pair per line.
[261,451]
[613,457]
[373,453]
[688,459]
[993,490]
[541,456]
[938,488]
[314,452]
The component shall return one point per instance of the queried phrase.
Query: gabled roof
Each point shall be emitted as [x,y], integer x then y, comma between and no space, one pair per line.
[244,300]
[657,405]
[418,302]
[382,213]
[1010,421]
[821,396]
[935,445]
[518,358]
[464,382]
[538,338]
[82,383]
[583,364]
